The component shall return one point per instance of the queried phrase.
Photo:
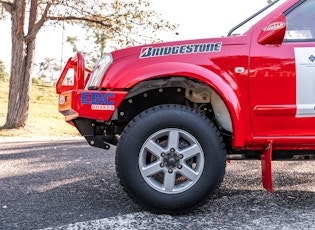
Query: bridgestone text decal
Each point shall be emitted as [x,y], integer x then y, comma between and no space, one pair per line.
[150,51]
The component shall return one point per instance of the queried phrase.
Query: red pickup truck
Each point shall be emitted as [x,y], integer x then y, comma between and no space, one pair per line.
[177,111]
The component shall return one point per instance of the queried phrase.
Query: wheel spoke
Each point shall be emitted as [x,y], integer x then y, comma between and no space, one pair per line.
[173,139]
[191,151]
[189,173]
[154,148]
[169,181]
[151,169]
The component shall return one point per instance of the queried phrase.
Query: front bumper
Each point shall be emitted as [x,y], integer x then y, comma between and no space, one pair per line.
[75,101]
[88,110]
[91,104]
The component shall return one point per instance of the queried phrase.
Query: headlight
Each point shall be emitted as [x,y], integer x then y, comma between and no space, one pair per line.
[99,71]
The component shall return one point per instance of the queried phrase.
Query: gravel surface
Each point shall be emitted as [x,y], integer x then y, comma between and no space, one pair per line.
[70,185]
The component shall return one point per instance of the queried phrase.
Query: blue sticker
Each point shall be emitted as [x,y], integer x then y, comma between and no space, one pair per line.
[88,98]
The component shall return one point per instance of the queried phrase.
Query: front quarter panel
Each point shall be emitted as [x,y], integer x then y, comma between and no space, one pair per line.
[225,71]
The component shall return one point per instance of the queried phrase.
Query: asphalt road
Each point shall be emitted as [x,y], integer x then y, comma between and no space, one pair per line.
[70,185]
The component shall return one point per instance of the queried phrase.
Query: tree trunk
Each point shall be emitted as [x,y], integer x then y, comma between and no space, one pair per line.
[20,85]
[21,66]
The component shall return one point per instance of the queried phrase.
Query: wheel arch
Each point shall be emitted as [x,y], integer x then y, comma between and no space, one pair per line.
[182,75]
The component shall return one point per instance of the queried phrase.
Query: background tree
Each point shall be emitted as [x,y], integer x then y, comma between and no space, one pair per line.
[73,40]
[98,44]
[47,70]
[122,21]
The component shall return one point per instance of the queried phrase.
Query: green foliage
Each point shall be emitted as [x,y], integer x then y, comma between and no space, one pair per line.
[36,81]
[96,50]
[123,22]
[47,70]
[127,22]
[3,73]
[72,40]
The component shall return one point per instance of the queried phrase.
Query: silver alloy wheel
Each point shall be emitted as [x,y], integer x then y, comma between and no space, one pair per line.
[171,161]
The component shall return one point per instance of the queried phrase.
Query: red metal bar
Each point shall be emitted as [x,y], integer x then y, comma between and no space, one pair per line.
[78,65]
[59,86]
[80,71]
[266,168]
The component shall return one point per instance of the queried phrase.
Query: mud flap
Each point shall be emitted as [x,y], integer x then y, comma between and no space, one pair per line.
[266,168]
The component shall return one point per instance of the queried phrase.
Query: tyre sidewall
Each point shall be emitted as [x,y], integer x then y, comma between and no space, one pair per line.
[157,119]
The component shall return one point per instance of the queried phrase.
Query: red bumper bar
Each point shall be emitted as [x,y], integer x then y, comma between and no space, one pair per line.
[78,79]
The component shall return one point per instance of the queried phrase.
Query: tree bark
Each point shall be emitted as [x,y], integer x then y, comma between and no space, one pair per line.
[21,66]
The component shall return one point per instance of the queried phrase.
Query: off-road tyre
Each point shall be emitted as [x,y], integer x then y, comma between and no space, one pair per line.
[184,144]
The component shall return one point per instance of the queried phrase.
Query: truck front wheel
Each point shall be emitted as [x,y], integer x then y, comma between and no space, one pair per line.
[170,159]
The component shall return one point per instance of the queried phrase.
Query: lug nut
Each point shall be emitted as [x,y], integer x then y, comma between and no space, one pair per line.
[162,165]
[172,150]
[170,171]
[162,154]
[179,166]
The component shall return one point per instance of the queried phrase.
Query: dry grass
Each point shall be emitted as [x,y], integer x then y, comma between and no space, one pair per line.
[44,119]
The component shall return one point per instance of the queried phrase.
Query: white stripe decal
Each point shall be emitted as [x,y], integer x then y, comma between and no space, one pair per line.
[305,81]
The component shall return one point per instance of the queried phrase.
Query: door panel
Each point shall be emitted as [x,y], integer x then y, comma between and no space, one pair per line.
[282,79]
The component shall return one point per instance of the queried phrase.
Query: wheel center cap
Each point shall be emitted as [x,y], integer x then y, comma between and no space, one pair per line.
[171,160]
